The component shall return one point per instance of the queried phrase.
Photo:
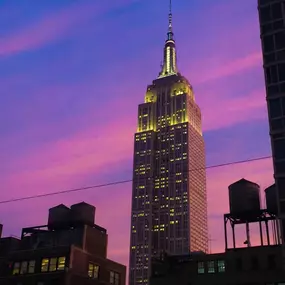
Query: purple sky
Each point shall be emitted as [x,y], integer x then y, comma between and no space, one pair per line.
[71,76]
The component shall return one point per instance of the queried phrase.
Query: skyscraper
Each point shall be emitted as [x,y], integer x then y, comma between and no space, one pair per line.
[169,203]
[272,33]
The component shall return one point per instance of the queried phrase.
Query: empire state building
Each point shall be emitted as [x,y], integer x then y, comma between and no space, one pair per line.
[169,200]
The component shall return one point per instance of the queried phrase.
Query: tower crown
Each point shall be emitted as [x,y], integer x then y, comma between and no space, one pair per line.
[169,66]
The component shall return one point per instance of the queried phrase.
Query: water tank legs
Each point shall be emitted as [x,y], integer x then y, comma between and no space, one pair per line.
[267,233]
[226,234]
[234,235]
[247,235]
[261,233]
[277,231]
[274,232]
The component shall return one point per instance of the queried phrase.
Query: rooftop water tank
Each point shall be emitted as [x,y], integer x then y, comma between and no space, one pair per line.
[244,198]
[83,213]
[58,216]
[271,199]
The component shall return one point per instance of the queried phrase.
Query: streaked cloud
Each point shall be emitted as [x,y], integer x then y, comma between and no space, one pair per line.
[54,26]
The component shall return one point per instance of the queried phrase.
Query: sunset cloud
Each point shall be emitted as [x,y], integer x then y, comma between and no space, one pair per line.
[222,112]
[53,26]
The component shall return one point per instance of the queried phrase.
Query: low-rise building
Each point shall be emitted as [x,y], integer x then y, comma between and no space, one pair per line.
[251,265]
[70,250]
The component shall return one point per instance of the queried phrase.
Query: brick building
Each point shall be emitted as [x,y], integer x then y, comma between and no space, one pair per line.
[69,250]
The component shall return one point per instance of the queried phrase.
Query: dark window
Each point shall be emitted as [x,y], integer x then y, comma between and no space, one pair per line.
[275,109]
[276,11]
[271,261]
[266,28]
[280,40]
[279,148]
[278,25]
[273,71]
[280,167]
[276,124]
[239,264]
[272,90]
[114,278]
[281,187]
[254,263]
[281,55]
[281,71]
[268,43]
[273,74]
[282,207]
[24,267]
[282,88]
[265,14]
[283,105]
[211,266]
[221,266]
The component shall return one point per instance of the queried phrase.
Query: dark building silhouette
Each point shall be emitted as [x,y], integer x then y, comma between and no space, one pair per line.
[169,203]
[260,264]
[70,250]
[272,32]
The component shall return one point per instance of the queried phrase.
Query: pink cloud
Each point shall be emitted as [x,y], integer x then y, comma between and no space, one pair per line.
[223,69]
[52,27]
[221,112]
[92,151]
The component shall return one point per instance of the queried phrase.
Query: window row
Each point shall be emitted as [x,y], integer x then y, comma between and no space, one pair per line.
[270,58]
[211,266]
[47,265]
[274,42]
[276,89]
[275,73]
[58,264]
[270,27]
[270,12]
[276,107]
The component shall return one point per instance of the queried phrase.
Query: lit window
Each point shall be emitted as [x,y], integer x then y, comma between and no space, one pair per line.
[16,268]
[45,263]
[221,266]
[31,267]
[114,278]
[211,267]
[201,267]
[61,263]
[52,264]
[93,271]
[24,267]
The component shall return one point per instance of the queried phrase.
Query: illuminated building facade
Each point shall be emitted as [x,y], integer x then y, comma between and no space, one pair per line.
[169,203]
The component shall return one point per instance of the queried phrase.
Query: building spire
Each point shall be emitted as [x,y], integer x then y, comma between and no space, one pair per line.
[170,31]
[169,59]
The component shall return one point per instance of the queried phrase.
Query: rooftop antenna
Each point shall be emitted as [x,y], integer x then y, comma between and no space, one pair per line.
[170,17]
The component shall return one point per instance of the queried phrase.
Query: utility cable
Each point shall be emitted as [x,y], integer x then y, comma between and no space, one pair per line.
[123,181]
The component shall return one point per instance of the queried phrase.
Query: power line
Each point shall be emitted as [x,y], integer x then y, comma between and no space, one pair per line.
[123,181]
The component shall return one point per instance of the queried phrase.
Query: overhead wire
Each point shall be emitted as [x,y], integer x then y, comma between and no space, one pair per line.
[124,181]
